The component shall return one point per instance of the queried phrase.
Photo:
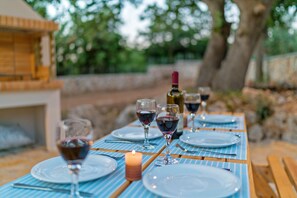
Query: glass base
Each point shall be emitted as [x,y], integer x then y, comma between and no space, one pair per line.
[164,162]
[147,147]
[193,130]
[75,196]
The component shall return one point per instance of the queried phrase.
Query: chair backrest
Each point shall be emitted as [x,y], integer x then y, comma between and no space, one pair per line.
[280,171]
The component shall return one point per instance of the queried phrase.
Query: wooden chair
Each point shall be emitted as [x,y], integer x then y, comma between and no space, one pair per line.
[281,173]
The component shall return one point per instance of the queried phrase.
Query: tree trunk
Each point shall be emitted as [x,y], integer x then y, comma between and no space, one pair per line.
[259,53]
[253,15]
[217,46]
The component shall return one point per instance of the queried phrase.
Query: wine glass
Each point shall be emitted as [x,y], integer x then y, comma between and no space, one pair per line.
[74,139]
[204,94]
[146,112]
[167,120]
[192,102]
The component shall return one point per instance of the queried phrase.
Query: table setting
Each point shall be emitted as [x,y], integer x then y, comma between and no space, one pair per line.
[216,121]
[142,160]
[138,189]
[216,144]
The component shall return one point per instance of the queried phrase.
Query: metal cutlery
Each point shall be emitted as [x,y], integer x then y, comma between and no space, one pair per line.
[114,157]
[205,150]
[50,189]
[204,124]
[126,142]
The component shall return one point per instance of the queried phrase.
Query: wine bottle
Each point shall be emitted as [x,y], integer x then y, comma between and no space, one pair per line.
[175,96]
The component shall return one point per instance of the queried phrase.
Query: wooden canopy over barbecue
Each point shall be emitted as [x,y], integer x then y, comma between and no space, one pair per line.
[26,44]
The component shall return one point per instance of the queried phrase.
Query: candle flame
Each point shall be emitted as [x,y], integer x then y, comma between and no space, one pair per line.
[133,152]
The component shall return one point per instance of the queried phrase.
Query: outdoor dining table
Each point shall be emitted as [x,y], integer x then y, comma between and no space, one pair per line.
[115,184]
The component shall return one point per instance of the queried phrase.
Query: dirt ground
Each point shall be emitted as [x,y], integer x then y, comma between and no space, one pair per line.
[16,163]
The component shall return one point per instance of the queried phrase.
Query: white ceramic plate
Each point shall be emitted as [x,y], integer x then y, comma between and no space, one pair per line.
[209,139]
[189,180]
[55,170]
[135,133]
[217,119]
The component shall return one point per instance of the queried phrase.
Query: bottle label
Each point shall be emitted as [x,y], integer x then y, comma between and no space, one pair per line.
[180,125]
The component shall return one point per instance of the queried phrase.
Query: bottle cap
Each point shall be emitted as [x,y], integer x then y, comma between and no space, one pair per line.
[175,78]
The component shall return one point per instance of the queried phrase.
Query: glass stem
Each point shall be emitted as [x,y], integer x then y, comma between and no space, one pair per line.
[193,125]
[203,107]
[74,185]
[146,131]
[167,156]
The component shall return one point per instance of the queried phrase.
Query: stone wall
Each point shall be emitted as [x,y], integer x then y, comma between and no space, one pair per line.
[278,70]
[76,85]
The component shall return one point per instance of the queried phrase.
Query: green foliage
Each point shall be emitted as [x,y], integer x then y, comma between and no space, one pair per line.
[281,41]
[175,32]
[89,40]
[281,37]
[282,14]
[263,108]
[218,21]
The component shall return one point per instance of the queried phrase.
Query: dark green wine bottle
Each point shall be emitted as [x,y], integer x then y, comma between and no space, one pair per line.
[175,96]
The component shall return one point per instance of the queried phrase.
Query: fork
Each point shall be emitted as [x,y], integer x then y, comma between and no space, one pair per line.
[204,124]
[205,150]
[114,157]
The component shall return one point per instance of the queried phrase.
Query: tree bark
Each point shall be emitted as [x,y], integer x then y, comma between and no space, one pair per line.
[259,53]
[217,46]
[253,15]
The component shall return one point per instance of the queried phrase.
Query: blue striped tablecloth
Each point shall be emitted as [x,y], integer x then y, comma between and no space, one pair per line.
[102,187]
[240,149]
[238,125]
[128,147]
[136,189]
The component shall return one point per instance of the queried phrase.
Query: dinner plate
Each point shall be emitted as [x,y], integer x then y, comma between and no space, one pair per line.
[189,180]
[217,119]
[55,170]
[135,133]
[209,139]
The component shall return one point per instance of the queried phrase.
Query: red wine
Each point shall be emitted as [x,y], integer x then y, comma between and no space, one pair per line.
[175,96]
[204,97]
[192,106]
[74,149]
[167,124]
[146,117]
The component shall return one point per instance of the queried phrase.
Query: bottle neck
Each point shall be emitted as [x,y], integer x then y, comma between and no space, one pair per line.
[174,86]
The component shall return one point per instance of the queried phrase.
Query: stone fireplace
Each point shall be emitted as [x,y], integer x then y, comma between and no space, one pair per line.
[29,91]
[37,112]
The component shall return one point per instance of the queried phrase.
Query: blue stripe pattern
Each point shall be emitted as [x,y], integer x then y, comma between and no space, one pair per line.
[102,187]
[137,189]
[128,147]
[240,149]
[238,125]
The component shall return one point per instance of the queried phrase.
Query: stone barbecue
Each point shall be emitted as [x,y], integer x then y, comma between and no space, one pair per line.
[29,92]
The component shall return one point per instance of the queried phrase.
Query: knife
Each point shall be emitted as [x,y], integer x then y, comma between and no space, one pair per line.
[126,142]
[61,190]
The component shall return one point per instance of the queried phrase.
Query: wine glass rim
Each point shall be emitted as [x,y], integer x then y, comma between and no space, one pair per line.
[204,87]
[167,105]
[77,120]
[146,100]
[193,94]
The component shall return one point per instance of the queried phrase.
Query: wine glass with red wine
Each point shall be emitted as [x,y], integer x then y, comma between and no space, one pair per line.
[204,94]
[192,102]
[146,113]
[74,139]
[167,120]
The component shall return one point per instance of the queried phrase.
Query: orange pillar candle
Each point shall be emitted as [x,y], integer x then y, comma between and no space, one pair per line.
[133,162]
